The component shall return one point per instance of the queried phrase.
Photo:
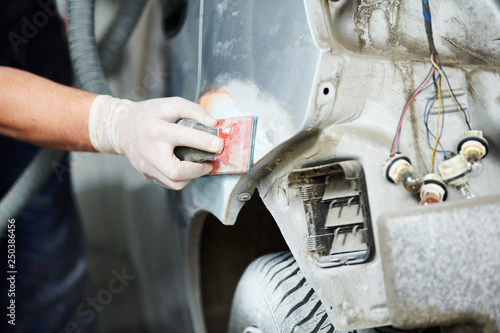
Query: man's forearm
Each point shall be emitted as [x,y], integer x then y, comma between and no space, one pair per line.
[42,112]
[51,115]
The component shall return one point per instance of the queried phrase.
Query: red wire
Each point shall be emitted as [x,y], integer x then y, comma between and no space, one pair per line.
[393,151]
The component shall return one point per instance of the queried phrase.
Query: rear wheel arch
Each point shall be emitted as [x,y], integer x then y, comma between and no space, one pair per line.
[218,255]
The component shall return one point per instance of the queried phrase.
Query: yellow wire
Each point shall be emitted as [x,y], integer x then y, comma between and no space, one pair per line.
[440,96]
[462,112]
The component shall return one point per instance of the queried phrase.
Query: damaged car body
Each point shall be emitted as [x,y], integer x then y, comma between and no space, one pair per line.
[327,81]
[373,198]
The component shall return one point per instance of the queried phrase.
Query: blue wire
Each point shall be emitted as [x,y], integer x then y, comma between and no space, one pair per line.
[427,127]
[425,113]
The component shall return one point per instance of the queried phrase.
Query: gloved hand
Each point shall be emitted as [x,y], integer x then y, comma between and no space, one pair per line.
[147,133]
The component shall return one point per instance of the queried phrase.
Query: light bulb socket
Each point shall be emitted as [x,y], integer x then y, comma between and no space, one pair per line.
[394,167]
[433,180]
[473,139]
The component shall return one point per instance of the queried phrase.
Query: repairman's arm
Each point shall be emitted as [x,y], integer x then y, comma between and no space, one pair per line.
[51,115]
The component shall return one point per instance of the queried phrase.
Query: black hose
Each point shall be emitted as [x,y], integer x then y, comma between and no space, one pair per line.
[114,41]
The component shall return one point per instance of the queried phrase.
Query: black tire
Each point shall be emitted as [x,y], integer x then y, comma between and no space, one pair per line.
[273,296]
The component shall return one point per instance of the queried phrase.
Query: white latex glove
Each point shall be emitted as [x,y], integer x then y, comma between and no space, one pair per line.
[147,134]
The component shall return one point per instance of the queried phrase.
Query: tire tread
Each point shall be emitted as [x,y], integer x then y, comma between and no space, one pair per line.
[294,302]
[288,303]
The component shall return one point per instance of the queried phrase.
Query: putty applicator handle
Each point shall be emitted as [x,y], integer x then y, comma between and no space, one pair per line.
[192,154]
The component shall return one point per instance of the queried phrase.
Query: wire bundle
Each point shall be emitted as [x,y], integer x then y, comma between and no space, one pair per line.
[424,85]
[437,80]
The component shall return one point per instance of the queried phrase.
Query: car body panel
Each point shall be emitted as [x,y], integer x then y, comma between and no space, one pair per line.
[252,74]
[328,81]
